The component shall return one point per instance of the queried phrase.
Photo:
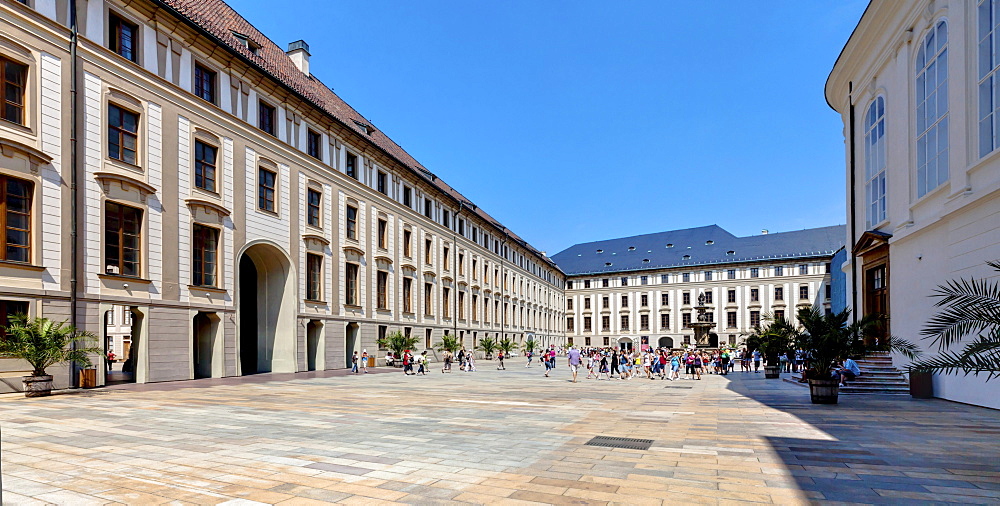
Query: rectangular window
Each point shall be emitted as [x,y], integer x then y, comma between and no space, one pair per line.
[708,297]
[265,189]
[383,234]
[686,277]
[644,322]
[15,213]
[9,308]
[754,272]
[475,273]
[314,278]
[779,293]
[605,324]
[407,244]
[586,283]
[686,320]
[381,183]
[122,38]
[754,295]
[314,200]
[122,240]
[265,117]
[123,134]
[446,302]
[428,290]
[875,161]
[428,248]
[731,296]
[569,304]
[475,307]
[428,208]
[803,292]
[803,269]
[351,165]
[204,257]
[827,267]
[709,316]
[204,83]
[686,298]
[664,299]
[569,324]
[644,299]
[605,302]
[446,219]
[14,78]
[779,271]
[779,315]
[204,166]
[586,303]
[587,324]
[708,275]
[408,197]
[461,305]
[111,317]
[351,222]
[665,321]
[829,291]
[624,281]
[351,284]
[663,278]
[731,274]
[643,280]
[731,320]
[445,251]
[408,295]
[624,300]
[313,141]
[604,283]
[461,264]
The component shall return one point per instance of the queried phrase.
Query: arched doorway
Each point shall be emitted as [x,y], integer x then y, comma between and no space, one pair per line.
[206,363]
[666,342]
[713,340]
[314,337]
[266,310]
[625,344]
[350,343]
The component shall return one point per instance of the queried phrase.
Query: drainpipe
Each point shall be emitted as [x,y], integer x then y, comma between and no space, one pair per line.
[454,242]
[503,287]
[853,208]
[74,191]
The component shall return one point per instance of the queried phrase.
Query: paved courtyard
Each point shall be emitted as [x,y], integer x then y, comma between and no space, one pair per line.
[490,437]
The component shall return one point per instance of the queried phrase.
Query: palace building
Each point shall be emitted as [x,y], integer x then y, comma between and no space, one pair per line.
[178,185]
[639,292]
[918,88]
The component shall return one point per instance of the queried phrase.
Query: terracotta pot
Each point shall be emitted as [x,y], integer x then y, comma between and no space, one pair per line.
[37,386]
[824,391]
[772,372]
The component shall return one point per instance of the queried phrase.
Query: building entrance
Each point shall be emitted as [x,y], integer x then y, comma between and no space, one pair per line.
[666,342]
[266,311]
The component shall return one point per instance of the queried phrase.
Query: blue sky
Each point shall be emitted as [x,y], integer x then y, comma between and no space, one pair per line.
[574,121]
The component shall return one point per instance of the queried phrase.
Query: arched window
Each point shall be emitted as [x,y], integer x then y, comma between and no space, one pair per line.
[932,110]
[875,162]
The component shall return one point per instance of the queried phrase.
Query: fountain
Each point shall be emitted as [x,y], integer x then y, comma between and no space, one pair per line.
[702,327]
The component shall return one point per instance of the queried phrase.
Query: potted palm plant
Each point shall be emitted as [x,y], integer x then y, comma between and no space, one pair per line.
[42,343]
[506,345]
[828,338]
[488,345]
[772,340]
[450,343]
[397,343]
[530,345]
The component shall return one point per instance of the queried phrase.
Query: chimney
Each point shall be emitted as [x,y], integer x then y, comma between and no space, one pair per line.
[763,232]
[298,51]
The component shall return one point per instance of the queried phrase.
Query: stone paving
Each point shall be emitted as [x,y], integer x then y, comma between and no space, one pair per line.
[491,436]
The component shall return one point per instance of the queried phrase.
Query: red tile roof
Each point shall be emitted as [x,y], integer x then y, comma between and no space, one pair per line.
[219,20]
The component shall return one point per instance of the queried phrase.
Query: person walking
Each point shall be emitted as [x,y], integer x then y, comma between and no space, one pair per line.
[604,367]
[548,363]
[364,361]
[675,366]
[422,360]
[500,357]
[470,362]
[446,363]
[530,356]
[407,362]
[354,363]
[614,365]
[756,361]
[573,356]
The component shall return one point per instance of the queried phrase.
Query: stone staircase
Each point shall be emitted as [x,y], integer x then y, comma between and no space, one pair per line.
[878,376]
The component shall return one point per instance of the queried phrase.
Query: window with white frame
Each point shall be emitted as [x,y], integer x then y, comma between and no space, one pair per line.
[875,162]
[989,63]
[932,110]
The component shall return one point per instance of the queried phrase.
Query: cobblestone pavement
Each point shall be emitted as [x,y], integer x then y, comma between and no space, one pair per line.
[491,437]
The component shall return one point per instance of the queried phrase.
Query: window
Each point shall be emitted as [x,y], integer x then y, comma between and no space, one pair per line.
[428,208]
[624,281]
[461,305]
[428,248]
[445,300]
[932,110]
[110,320]
[569,324]
[15,213]
[122,226]
[605,324]
[352,222]
[204,166]
[446,219]
[731,296]
[265,189]
[644,322]
[604,283]
[624,300]
[428,289]
[313,141]
[731,320]
[407,197]
[351,284]
[779,315]
[569,304]
[586,283]
[803,292]
[461,264]
[708,275]
[204,257]
[731,274]
[13,77]
[754,272]
[754,295]
[754,318]
[314,199]
[408,295]
[779,271]
[475,272]
[265,117]
[408,243]
[122,38]
[123,134]
[644,299]
[686,320]
[9,308]
[779,293]
[587,324]
[664,299]
[665,321]
[204,83]
[314,283]
[827,268]
[708,297]
[351,165]
[686,298]
[643,280]
[607,340]
[605,302]
[686,277]
[383,233]
[803,269]
[475,307]
[586,303]
[663,278]
[381,183]
[875,162]
[709,316]
[829,291]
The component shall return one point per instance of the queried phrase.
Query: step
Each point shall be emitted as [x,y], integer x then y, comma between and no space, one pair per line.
[854,389]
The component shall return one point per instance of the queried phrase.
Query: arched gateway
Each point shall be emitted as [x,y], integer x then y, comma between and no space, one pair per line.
[266,310]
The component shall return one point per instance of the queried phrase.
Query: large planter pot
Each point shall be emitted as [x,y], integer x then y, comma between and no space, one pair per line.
[921,385]
[37,386]
[772,372]
[824,391]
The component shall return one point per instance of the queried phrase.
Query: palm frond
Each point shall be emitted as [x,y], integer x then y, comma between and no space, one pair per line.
[982,356]
[969,307]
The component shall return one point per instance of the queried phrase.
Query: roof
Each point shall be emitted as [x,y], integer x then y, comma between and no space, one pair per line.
[218,19]
[700,246]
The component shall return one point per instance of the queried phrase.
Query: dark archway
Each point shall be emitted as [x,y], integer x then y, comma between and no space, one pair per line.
[666,342]
[314,331]
[204,327]
[266,319]
[351,343]
[248,316]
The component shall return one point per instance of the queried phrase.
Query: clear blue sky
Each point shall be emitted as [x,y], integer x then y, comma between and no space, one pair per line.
[574,121]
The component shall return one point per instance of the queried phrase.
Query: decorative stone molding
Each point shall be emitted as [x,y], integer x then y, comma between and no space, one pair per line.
[317,240]
[126,182]
[208,206]
[35,156]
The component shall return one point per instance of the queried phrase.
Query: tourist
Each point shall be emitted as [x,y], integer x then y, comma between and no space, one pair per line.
[470,362]
[573,357]
[389,359]
[354,363]
[530,355]
[756,361]
[614,364]
[407,362]
[847,371]
[699,365]
[446,363]
[689,365]
[675,366]
[604,367]
[548,364]
[422,360]
[782,362]
[461,359]
[364,361]
[500,357]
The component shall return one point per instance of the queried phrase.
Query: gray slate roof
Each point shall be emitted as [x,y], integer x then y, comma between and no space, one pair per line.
[700,246]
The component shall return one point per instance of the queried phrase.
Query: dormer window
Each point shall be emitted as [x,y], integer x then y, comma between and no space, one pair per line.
[247,43]
[366,128]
